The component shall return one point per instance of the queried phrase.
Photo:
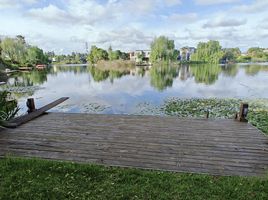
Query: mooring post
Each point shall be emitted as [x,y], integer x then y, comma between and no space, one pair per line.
[31,105]
[242,115]
[207,114]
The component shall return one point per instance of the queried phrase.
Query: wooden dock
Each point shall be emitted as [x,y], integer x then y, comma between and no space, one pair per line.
[220,147]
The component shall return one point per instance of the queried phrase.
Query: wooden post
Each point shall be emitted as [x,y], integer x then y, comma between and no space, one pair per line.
[31,105]
[242,115]
[207,114]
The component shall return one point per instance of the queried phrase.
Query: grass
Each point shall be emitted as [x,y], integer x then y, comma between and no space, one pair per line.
[42,179]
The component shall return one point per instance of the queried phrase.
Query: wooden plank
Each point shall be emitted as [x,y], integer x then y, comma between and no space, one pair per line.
[222,147]
[28,117]
[114,151]
[145,164]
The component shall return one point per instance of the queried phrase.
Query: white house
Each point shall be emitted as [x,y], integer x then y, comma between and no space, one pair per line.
[134,56]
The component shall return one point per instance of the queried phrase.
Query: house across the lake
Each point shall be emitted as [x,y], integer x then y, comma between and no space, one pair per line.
[185,53]
[265,50]
[140,55]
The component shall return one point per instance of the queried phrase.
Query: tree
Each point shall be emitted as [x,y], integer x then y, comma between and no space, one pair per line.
[115,55]
[13,50]
[231,54]
[35,56]
[96,54]
[257,54]
[162,49]
[21,39]
[208,52]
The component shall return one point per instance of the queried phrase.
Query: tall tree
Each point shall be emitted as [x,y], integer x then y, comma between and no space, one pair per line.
[162,49]
[36,55]
[13,50]
[208,52]
[231,54]
[96,54]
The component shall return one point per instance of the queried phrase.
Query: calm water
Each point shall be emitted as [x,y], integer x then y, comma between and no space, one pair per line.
[135,90]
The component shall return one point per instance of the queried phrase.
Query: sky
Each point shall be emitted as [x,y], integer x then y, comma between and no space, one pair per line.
[64,26]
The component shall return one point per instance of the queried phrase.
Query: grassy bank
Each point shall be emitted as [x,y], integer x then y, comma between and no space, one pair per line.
[40,179]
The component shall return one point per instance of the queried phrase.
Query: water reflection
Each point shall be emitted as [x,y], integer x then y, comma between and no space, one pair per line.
[103,74]
[255,69]
[121,90]
[207,74]
[230,70]
[162,76]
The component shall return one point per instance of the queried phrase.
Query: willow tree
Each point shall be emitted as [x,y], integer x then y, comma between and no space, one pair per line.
[162,49]
[208,52]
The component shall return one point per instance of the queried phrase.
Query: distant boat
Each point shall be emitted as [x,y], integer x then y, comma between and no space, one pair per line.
[25,68]
[41,66]
[8,71]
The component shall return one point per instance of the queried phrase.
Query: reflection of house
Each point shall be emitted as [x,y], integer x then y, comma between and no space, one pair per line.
[184,72]
[140,55]
[185,53]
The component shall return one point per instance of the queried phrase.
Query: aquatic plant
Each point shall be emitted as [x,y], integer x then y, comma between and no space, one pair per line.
[219,108]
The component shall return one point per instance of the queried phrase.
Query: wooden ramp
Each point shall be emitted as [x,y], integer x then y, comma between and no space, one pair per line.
[220,147]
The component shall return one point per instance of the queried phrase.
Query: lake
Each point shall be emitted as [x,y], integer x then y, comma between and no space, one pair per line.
[136,90]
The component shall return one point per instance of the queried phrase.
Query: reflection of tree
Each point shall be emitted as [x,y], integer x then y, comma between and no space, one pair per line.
[77,69]
[29,79]
[101,75]
[206,73]
[162,76]
[230,70]
[255,69]
[36,77]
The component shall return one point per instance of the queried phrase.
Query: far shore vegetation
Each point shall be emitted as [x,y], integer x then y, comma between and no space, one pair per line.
[16,52]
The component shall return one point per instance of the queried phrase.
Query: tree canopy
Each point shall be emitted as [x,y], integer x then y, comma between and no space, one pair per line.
[208,52]
[231,54]
[17,51]
[96,54]
[163,49]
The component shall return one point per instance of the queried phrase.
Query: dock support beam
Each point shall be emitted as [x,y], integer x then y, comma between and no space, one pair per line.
[242,115]
[31,105]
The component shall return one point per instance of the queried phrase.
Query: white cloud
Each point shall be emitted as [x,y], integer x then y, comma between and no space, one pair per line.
[130,25]
[15,3]
[172,2]
[214,2]
[51,14]
[255,7]
[86,13]
[225,22]
[183,18]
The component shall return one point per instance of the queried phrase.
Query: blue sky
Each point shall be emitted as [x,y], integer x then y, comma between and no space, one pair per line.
[64,26]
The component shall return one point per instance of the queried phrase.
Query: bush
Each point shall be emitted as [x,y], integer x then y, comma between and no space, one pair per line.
[8,107]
